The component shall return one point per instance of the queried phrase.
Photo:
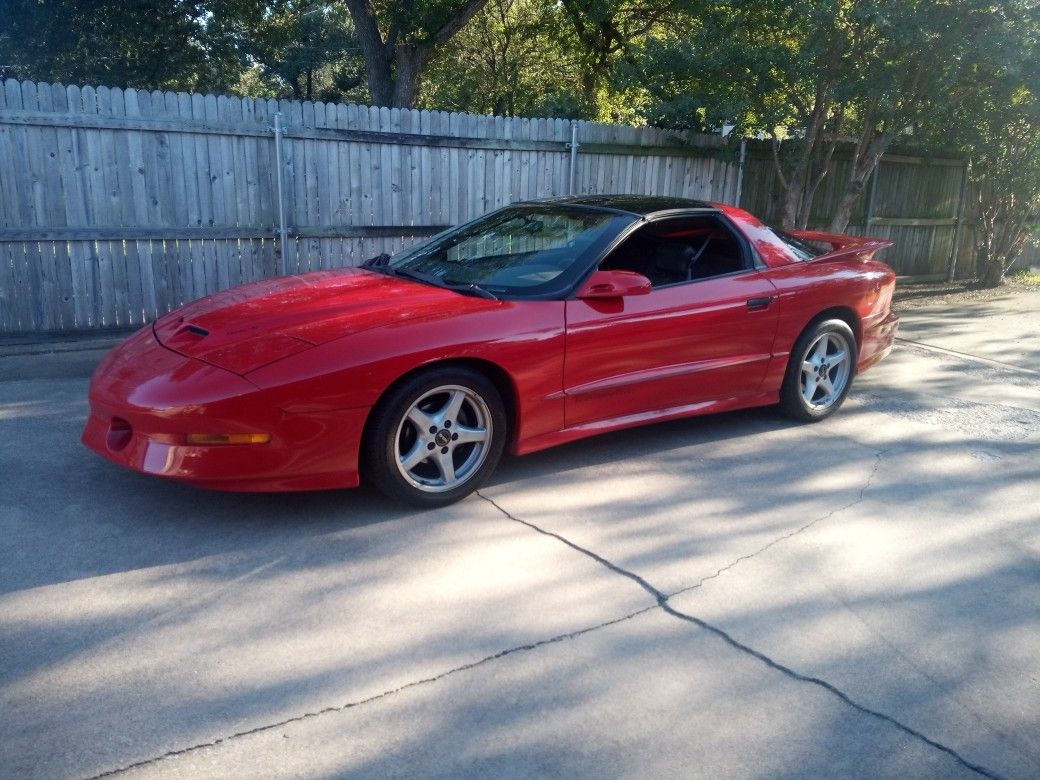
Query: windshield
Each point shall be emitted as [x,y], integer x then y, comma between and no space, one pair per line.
[521,250]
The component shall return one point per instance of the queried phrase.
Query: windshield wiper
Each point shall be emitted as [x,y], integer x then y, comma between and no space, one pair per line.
[447,284]
[378,261]
[416,276]
[470,287]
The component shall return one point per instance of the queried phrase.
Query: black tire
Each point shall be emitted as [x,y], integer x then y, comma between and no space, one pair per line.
[392,434]
[803,395]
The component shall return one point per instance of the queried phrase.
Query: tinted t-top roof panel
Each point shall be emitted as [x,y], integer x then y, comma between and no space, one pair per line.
[633,204]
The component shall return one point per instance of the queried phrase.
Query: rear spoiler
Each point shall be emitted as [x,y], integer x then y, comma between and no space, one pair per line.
[842,245]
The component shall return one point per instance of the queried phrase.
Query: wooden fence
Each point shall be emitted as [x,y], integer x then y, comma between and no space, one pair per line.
[118,205]
[916,202]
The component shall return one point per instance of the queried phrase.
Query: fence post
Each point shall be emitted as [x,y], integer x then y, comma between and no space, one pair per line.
[282,243]
[574,155]
[951,272]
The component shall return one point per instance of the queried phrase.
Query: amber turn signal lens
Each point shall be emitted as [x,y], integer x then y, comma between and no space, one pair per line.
[229,438]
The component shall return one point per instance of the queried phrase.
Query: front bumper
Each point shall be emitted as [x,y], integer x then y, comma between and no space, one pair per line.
[146,399]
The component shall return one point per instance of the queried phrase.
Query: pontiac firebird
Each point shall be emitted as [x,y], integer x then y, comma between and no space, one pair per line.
[533,325]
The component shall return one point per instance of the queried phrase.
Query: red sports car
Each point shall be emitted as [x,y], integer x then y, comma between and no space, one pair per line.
[534,325]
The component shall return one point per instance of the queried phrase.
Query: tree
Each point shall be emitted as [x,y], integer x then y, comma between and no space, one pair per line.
[607,32]
[398,39]
[511,60]
[150,44]
[1005,172]
[304,48]
[811,74]
[993,115]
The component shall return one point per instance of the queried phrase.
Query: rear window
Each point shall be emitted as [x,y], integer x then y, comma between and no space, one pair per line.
[802,250]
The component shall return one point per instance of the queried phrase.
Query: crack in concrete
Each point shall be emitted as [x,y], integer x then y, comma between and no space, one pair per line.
[1008,738]
[830,688]
[663,598]
[660,602]
[859,499]
[376,697]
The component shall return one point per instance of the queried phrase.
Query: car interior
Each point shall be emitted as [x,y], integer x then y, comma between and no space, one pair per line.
[676,251]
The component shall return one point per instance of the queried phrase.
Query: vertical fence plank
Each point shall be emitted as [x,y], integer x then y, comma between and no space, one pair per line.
[8,288]
[386,181]
[105,204]
[9,291]
[415,164]
[336,211]
[159,194]
[174,190]
[39,269]
[15,298]
[52,98]
[323,180]
[397,183]
[440,202]
[228,270]
[72,165]
[252,265]
[137,213]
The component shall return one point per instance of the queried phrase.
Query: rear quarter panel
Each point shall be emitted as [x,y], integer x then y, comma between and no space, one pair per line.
[847,278]
[806,289]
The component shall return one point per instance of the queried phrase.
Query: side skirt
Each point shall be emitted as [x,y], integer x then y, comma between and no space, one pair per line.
[546,440]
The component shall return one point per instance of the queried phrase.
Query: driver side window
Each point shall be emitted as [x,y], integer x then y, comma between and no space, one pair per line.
[676,251]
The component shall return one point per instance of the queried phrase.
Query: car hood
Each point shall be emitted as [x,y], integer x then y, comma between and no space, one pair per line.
[248,327]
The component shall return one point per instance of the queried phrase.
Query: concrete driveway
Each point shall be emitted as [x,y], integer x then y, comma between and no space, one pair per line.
[731,596]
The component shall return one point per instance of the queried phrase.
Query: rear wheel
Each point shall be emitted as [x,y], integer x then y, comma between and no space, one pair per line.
[820,371]
[436,437]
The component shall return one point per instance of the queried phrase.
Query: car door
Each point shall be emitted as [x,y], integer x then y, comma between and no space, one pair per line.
[683,343]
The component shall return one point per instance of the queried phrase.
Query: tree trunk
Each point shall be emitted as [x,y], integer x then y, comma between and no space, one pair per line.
[409,60]
[792,187]
[375,52]
[994,276]
[843,214]
[590,82]
[862,167]
[796,195]
[790,204]
[394,68]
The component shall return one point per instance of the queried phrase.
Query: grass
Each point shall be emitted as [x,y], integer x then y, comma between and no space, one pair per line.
[1029,277]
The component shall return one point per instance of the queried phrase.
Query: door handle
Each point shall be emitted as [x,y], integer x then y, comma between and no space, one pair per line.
[757,304]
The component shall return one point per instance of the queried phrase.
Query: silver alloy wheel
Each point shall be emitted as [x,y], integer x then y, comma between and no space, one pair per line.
[443,438]
[825,370]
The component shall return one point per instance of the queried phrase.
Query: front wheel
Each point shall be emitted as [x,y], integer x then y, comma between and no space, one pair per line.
[436,437]
[820,371]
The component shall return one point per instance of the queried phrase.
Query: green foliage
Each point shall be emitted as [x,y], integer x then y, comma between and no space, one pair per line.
[149,44]
[1025,276]
[414,20]
[608,33]
[514,59]
[305,49]
[810,74]
[994,116]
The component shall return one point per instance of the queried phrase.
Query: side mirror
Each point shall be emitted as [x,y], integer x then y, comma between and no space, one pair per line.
[614,284]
